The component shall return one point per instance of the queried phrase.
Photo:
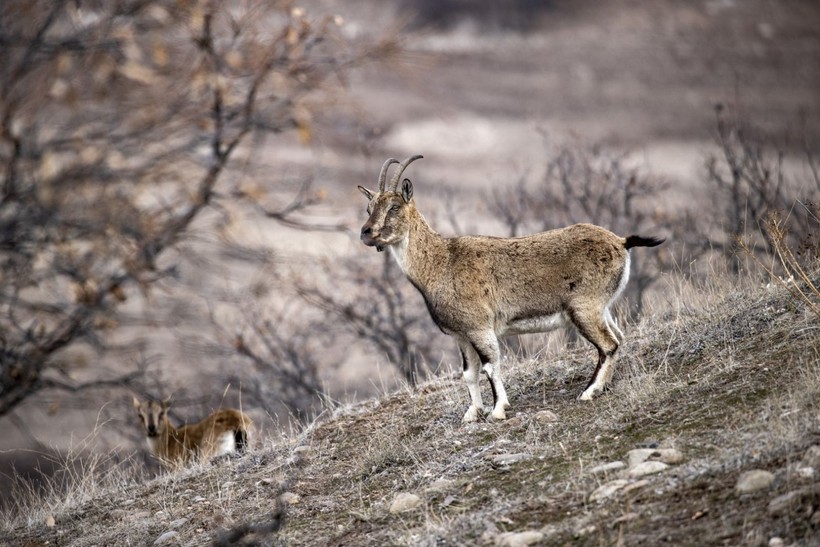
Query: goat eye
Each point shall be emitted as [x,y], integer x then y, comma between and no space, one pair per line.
[394,208]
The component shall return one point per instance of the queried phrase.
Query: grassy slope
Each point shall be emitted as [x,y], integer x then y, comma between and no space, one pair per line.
[734,385]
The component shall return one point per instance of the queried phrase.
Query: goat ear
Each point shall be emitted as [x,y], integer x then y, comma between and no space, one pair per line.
[407,190]
[136,402]
[368,194]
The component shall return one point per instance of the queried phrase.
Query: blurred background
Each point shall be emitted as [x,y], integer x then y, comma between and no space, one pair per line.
[178,206]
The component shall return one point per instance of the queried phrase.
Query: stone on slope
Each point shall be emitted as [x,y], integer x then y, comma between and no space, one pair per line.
[519,539]
[607,490]
[647,468]
[405,501]
[669,456]
[509,459]
[607,467]
[753,481]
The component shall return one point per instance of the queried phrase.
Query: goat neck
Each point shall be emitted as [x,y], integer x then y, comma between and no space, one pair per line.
[421,252]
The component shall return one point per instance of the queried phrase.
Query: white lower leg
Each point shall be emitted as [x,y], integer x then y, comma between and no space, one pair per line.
[600,380]
[500,394]
[476,407]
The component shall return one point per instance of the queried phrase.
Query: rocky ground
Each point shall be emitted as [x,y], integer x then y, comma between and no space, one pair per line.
[709,436]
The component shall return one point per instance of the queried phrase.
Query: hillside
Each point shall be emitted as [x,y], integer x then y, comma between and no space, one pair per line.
[719,382]
[492,99]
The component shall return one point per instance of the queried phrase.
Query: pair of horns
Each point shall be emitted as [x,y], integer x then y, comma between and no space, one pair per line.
[394,182]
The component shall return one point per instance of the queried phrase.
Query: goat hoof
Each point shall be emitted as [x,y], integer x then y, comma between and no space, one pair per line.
[471,415]
[499,414]
[589,394]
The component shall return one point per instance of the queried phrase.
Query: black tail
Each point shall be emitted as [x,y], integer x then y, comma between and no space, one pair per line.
[638,241]
[240,437]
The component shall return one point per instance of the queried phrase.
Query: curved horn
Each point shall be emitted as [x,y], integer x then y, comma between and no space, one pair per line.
[383,174]
[394,182]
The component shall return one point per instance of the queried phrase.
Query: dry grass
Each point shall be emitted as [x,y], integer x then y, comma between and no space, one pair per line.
[81,476]
[797,278]
[727,374]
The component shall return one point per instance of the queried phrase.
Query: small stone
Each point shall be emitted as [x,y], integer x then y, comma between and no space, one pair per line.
[515,421]
[166,537]
[776,542]
[546,416]
[634,486]
[805,472]
[405,501]
[607,490]
[754,480]
[50,522]
[440,485]
[669,456]
[518,539]
[638,456]
[607,468]
[177,523]
[198,499]
[290,498]
[647,468]
[509,459]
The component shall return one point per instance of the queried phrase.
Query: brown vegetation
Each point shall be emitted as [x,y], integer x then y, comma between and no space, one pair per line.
[108,160]
[726,375]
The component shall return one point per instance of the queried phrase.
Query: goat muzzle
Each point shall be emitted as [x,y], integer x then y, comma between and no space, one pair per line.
[367,238]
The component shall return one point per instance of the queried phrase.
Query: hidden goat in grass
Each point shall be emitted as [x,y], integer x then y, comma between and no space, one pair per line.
[223,432]
[479,288]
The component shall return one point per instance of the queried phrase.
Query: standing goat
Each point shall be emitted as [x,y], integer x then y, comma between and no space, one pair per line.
[223,432]
[479,288]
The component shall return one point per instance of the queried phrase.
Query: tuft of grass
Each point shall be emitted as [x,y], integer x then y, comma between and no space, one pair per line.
[80,474]
[800,278]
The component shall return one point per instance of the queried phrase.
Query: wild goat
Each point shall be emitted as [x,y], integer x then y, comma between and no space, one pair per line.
[223,432]
[479,288]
